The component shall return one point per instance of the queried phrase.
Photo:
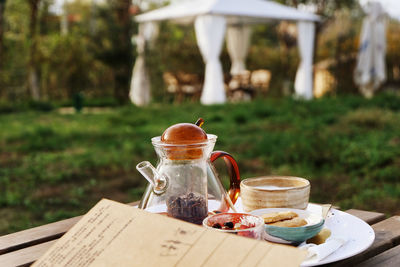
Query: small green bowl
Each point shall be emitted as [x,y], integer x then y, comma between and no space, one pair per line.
[292,235]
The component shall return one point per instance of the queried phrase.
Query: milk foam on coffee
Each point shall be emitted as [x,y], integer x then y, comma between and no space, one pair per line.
[273,187]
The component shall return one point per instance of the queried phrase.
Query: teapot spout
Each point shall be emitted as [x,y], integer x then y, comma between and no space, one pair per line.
[158,181]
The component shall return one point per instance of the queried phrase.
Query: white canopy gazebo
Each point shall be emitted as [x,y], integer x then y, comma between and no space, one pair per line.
[370,72]
[211,18]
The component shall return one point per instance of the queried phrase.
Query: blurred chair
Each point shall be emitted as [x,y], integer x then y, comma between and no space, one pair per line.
[240,88]
[324,82]
[191,85]
[260,79]
[171,82]
[183,85]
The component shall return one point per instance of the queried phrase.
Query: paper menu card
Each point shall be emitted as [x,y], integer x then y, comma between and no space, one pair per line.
[115,234]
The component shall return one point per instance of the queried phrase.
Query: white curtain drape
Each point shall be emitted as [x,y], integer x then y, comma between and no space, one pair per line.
[140,84]
[210,32]
[370,71]
[304,83]
[238,42]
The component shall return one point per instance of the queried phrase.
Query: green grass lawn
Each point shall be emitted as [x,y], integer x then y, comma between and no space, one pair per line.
[54,166]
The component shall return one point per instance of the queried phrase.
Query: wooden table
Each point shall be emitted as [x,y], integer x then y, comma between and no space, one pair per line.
[24,247]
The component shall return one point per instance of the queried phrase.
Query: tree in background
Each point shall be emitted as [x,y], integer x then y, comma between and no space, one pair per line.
[111,45]
[95,55]
[122,48]
[33,75]
[74,48]
[2,9]
[330,12]
[324,8]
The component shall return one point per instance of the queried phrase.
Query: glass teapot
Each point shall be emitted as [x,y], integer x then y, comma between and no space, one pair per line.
[185,185]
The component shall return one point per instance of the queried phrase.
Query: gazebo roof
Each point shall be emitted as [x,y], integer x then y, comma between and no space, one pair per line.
[236,11]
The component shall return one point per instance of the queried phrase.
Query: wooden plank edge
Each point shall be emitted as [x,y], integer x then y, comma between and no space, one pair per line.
[36,235]
[389,258]
[369,217]
[25,256]
[39,234]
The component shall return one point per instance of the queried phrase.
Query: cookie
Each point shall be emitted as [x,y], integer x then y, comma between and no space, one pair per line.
[295,222]
[278,216]
[320,238]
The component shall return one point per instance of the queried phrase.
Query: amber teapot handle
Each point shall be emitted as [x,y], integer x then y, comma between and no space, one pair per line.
[233,169]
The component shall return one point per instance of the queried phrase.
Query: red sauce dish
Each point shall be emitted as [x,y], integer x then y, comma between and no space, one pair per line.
[241,224]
